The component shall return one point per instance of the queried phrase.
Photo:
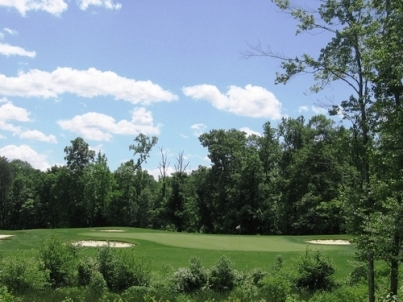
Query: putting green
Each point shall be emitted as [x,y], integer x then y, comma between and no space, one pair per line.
[215,242]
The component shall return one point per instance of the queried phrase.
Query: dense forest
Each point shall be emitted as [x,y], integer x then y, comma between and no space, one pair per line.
[287,181]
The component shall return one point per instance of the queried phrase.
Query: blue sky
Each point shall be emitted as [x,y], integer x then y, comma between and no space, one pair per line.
[107,70]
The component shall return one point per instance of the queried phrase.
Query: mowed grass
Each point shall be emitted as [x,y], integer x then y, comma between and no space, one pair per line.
[169,249]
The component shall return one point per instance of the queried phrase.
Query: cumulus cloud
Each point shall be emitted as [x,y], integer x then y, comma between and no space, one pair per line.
[85,83]
[54,7]
[109,4]
[38,136]
[250,131]
[302,108]
[25,153]
[9,112]
[10,50]
[101,127]
[198,129]
[252,101]
[319,110]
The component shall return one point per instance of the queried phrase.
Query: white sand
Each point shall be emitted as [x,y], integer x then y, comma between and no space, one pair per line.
[5,236]
[334,242]
[96,243]
[111,230]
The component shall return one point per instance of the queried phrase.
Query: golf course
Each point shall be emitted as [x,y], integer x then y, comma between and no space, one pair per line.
[164,248]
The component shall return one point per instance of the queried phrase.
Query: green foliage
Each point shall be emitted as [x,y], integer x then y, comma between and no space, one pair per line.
[122,269]
[5,296]
[314,271]
[60,260]
[190,279]
[275,287]
[222,275]
[22,274]
[357,293]
[138,293]
[86,269]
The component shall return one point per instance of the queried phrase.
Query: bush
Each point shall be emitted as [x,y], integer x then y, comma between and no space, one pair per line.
[314,271]
[122,269]
[137,293]
[222,275]
[85,271]
[60,260]
[192,278]
[275,287]
[21,274]
[5,296]
[356,293]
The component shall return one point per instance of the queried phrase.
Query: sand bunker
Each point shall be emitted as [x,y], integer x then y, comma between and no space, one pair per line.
[334,242]
[5,236]
[111,231]
[97,243]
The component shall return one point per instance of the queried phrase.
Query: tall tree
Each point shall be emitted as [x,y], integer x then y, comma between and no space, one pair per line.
[98,184]
[349,23]
[6,179]
[142,148]
[387,63]
[78,156]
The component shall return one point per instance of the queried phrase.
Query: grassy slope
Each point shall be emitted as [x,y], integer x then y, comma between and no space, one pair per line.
[175,249]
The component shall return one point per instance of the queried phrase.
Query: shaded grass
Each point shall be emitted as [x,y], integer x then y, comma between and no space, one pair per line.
[166,249]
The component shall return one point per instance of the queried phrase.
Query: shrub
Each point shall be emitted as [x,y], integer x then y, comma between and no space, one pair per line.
[21,274]
[60,260]
[122,269]
[314,271]
[192,278]
[222,275]
[137,293]
[5,296]
[85,271]
[359,273]
[275,287]
[355,293]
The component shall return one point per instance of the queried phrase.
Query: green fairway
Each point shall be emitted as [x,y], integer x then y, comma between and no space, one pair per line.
[214,242]
[174,249]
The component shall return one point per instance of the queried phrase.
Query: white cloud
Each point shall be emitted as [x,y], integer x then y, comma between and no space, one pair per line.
[3,137]
[25,153]
[54,7]
[252,101]
[9,50]
[10,31]
[84,4]
[101,127]
[156,172]
[198,129]
[85,83]
[9,112]
[250,131]
[302,108]
[97,148]
[319,110]
[38,136]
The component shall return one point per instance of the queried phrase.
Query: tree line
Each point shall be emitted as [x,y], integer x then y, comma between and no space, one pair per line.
[299,178]
[284,182]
